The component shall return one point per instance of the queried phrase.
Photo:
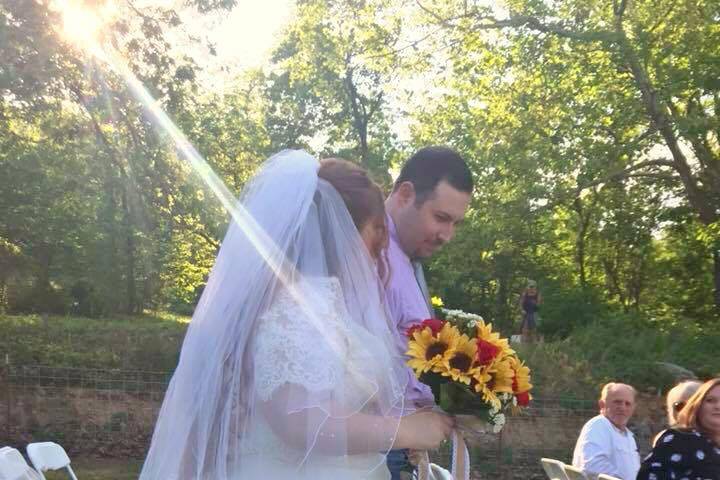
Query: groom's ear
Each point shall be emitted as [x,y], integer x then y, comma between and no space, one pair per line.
[406,193]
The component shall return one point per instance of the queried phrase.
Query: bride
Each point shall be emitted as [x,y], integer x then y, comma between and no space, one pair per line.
[288,370]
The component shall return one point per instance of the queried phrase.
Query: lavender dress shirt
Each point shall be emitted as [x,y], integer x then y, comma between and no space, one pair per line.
[407,306]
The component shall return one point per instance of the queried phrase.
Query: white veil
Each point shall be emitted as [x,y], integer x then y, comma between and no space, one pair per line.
[297,272]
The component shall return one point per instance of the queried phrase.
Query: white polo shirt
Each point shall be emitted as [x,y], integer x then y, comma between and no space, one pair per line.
[603,448]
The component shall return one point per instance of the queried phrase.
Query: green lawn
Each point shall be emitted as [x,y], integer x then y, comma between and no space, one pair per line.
[101,469]
[148,342]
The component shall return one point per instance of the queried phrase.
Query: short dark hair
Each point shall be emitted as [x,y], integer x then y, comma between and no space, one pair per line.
[431,165]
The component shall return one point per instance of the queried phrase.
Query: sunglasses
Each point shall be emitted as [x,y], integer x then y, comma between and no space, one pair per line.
[677,406]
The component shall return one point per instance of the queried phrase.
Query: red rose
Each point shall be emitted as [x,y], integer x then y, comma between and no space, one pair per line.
[486,351]
[434,324]
[523,399]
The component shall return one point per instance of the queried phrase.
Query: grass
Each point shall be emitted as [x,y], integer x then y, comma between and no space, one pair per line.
[614,347]
[148,342]
[101,469]
[622,348]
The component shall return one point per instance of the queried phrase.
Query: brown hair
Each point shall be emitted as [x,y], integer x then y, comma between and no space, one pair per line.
[688,416]
[362,196]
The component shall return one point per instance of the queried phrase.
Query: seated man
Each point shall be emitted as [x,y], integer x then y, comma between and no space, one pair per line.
[605,444]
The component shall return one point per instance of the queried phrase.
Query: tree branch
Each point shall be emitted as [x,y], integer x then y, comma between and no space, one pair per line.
[626,172]
[557,29]
[662,18]
[620,10]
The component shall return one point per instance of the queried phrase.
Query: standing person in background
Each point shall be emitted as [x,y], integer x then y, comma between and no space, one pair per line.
[428,201]
[530,301]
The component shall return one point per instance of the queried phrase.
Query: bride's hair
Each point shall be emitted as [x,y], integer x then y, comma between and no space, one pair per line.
[362,196]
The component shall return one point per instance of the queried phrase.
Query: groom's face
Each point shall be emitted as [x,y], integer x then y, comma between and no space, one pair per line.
[423,228]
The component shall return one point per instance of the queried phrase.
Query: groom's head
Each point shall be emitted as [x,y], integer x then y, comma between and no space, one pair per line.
[429,199]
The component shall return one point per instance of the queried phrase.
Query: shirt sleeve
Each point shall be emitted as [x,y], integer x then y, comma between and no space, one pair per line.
[393,298]
[595,449]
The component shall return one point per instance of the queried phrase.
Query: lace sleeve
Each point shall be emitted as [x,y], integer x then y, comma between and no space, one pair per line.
[291,347]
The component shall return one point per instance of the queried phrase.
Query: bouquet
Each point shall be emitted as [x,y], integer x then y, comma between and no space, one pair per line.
[471,369]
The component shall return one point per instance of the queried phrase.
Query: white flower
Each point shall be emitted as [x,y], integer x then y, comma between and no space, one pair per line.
[499,423]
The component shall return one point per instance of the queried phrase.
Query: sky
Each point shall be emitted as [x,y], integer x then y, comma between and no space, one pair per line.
[243,37]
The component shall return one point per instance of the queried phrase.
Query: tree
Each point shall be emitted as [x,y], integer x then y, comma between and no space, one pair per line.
[330,76]
[648,66]
[105,194]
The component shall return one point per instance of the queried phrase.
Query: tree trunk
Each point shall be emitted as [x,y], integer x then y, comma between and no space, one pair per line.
[716,278]
[3,295]
[129,255]
[360,116]
[584,221]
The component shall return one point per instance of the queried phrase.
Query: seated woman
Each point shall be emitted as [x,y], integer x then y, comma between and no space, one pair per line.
[691,449]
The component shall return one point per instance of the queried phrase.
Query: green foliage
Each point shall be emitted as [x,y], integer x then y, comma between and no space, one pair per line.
[149,343]
[623,347]
[592,133]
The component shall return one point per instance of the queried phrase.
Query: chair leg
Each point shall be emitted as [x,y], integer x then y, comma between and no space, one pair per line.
[72,474]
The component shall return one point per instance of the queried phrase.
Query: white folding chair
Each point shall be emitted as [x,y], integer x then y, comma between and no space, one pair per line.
[553,468]
[574,473]
[604,476]
[14,467]
[49,456]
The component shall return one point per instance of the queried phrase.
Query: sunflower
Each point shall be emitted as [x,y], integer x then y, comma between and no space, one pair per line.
[461,365]
[429,352]
[502,375]
[482,383]
[521,381]
[490,347]
[492,380]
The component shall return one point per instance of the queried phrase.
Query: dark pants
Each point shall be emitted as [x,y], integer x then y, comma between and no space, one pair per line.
[397,461]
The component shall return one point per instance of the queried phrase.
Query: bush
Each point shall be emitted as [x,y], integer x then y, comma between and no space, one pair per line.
[628,348]
[38,299]
[564,310]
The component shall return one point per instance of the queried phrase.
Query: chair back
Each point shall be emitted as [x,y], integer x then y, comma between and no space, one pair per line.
[14,467]
[49,456]
[574,473]
[553,468]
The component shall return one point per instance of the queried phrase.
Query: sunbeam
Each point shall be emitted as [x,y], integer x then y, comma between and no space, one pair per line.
[90,42]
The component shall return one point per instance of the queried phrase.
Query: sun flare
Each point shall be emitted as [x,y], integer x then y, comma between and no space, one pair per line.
[83,22]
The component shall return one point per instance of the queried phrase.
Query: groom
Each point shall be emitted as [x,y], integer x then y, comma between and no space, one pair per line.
[428,201]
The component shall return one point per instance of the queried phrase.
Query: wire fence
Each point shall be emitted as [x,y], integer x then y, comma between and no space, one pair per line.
[97,412]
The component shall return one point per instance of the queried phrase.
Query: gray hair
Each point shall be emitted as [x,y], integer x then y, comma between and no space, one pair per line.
[680,393]
[609,387]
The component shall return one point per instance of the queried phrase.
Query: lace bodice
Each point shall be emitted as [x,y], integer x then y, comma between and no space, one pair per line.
[303,345]
[314,347]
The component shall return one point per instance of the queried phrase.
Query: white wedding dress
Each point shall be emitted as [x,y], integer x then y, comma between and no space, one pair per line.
[288,369]
[287,350]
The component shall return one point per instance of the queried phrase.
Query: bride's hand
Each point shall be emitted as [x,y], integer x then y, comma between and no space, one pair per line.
[424,430]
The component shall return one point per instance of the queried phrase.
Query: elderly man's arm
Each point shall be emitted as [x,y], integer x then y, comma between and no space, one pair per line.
[593,452]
